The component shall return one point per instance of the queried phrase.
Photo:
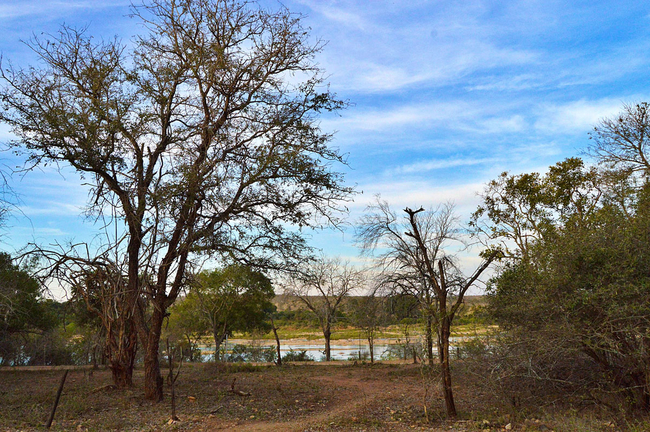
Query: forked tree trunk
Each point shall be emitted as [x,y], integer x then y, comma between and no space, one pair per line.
[219,337]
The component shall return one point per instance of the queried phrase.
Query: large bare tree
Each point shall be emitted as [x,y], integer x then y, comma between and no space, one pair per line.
[413,253]
[321,286]
[200,137]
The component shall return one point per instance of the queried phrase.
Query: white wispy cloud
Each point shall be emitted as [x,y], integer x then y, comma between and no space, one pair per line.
[410,46]
[477,117]
[436,164]
[575,116]
[400,194]
[49,232]
[51,208]
[16,9]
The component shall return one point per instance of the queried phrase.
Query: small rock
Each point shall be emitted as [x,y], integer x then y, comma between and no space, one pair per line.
[509,426]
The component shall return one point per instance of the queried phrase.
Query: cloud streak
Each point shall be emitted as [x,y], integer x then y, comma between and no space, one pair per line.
[24,8]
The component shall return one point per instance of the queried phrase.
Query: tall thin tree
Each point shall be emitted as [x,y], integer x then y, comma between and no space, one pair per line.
[413,256]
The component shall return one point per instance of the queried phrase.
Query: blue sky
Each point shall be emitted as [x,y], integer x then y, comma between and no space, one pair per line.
[446,94]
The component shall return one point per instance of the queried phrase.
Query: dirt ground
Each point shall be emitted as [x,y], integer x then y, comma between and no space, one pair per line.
[298,397]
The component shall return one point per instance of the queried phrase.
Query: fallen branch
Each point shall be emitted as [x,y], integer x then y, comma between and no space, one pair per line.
[216,410]
[237,392]
[103,388]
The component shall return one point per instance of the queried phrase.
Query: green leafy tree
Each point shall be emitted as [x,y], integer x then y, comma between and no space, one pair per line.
[23,310]
[236,298]
[186,326]
[590,289]
[519,210]
[199,137]
[581,292]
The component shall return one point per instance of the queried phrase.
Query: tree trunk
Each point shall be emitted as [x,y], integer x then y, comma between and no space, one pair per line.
[121,347]
[218,340]
[429,335]
[122,374]
[371,345]
[153,382]
[277,343]
[190,351]
[443,354]
[328,334]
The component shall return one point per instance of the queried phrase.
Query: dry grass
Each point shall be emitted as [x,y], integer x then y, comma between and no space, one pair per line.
[316,397]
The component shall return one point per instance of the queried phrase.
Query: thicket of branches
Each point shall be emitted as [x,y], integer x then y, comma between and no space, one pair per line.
[574,298]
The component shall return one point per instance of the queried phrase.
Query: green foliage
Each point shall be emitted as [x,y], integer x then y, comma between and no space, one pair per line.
[584,289]
[296,356]
[236,298]
[298,318]
[519,210]
[22,306]
[24,313]
[251,353]
[367,313]
[185,326]
[474,315]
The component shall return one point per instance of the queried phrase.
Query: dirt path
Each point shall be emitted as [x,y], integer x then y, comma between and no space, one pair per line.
[356,398]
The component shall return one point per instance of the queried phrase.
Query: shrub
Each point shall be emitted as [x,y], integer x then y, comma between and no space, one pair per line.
[248,353]
[296,356]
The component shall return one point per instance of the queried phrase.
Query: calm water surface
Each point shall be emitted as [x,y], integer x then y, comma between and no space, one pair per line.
[343,349]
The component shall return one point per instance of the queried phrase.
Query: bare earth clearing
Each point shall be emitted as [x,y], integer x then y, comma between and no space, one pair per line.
[299,397]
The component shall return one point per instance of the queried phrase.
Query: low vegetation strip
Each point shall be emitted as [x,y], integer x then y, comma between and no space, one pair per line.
[336,396]
[44,368]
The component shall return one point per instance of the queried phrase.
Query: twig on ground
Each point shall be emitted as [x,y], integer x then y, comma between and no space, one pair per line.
[237,392]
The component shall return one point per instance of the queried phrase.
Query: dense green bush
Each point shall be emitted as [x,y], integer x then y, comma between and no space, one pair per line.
[575,301]
[296,356]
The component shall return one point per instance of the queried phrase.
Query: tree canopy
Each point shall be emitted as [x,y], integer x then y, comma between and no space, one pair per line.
[199,137]
[579,288]
[23,310]
[236,298]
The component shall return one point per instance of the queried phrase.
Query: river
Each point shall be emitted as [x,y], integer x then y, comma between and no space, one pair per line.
[342,349]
